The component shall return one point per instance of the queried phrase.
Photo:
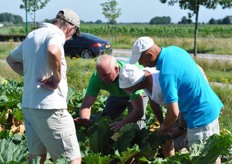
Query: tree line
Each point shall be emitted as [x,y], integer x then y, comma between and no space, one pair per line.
[11,19]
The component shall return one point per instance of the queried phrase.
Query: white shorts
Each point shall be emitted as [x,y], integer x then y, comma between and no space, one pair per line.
[198,135]
[51,131]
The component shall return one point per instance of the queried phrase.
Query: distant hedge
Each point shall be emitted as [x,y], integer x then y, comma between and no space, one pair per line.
[15,38]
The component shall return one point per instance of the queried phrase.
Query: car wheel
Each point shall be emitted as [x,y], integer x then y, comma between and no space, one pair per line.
[86,53]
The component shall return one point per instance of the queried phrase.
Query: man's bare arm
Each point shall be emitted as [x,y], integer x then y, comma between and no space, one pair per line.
[85,109]
[171,116]
[133,116]
[15,65]
[156,108]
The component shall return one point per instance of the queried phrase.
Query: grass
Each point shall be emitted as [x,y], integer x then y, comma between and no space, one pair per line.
[6,48]
[79,72]
[205,45]
[217,71]
[225,94]
[214,39]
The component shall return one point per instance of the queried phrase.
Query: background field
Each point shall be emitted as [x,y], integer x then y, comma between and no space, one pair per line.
[215,39]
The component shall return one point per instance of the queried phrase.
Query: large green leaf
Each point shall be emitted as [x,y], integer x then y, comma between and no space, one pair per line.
[100,136]
[97,159]
[126,136]
[9,151]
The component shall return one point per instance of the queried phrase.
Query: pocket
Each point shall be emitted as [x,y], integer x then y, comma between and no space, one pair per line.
[58,113]
[67,137]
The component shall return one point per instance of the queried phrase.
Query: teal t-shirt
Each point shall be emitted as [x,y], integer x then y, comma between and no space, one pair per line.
[182,81]
[96,84]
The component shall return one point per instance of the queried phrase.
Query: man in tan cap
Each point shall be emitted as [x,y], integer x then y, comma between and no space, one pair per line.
[40,60]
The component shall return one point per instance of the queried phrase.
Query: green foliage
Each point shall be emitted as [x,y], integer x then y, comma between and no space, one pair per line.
[11,152]
[97,158]
[216,70]
[33,5]
[125,136]
[185,20]
[128,155]
[194,7]
[110,11]
[75,99]
[11,95]
[99,144]
[8,18]
[225,94]
[99,135]
[160,20]
[216,145]
[79,72]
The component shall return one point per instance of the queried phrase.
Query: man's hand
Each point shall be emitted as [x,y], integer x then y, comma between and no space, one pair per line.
[163,131]
[175,132]
[82,122]
[115,126]
[50,83]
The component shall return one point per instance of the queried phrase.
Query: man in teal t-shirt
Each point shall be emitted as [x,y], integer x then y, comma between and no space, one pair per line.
[184,88]
[105,77]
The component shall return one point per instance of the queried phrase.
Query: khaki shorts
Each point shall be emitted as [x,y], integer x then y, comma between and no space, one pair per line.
[51,131]
[198,135]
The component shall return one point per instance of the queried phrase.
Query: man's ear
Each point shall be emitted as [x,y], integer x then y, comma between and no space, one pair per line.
[149,55]
[116,68]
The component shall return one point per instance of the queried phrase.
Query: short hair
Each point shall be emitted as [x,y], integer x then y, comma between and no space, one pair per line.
[107,58]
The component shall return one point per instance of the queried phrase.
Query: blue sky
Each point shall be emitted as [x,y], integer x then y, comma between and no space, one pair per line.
[132,10]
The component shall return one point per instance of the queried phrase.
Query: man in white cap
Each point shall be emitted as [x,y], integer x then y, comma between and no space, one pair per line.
[132,79]
[40,60]
[184,89]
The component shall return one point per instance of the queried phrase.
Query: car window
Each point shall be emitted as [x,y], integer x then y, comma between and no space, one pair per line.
[89,36]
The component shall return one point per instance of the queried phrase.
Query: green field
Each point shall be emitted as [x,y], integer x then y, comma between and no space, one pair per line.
[214,39]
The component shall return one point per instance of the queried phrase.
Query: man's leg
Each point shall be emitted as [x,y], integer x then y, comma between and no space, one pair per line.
[35,146]
[56,131]
[33,156]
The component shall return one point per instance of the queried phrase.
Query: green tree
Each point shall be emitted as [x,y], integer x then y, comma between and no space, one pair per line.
[110,11]
[212,21]
[227,20]
[185,20]
[31,6]
[194,7]
[8,18]
[160,20]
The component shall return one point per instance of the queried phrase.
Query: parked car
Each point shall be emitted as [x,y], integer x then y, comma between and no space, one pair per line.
[87,46]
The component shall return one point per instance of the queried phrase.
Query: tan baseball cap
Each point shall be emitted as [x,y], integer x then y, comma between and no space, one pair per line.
[71,17]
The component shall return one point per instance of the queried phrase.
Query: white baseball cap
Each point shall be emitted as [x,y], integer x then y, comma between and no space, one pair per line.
[129,76]
[141,44]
